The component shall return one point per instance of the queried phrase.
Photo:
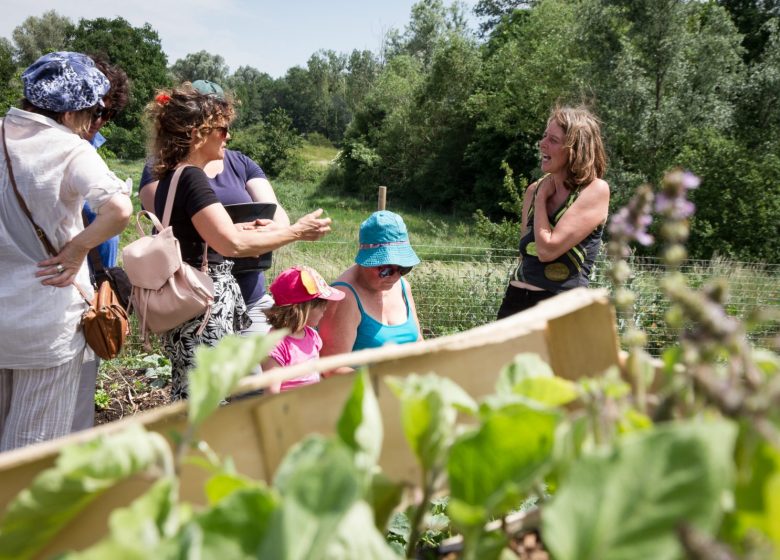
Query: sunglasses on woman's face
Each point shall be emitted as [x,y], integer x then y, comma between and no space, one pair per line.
[223,130]
[387,270]
[103,113]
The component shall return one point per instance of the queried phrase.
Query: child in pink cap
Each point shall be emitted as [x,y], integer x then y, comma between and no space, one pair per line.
[300,296]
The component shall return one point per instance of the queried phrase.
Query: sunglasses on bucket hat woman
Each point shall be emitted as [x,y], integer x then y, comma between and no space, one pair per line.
[379,307]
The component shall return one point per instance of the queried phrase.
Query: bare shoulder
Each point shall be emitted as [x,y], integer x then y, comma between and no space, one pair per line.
[599,187]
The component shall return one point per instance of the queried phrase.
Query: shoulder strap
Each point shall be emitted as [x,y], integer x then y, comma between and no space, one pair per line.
[357,298]
[168,210]
[166,218]
[38,230]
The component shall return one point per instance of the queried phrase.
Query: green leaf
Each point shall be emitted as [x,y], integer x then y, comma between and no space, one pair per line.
[319,484]
[758,468]
[360,424]
[142,529]
[81,474]
[358,537]
[235,527]
[492,467]
[532,378]
[524,366]
[222,485]
[218,370]
[429,407]
[627,503]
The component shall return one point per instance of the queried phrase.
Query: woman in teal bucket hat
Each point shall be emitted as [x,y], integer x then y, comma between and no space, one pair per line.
[378,308]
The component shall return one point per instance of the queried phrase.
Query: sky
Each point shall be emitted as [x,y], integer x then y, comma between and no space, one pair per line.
[271,36]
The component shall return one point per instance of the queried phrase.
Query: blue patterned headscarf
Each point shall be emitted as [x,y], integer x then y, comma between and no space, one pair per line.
[64,81]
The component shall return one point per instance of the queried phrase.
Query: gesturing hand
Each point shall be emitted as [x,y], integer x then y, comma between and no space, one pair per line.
[61,270]
[311,227]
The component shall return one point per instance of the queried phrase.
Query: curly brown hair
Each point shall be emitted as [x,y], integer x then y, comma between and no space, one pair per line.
[118,96]
[294,316]
[583,144]
[180,119]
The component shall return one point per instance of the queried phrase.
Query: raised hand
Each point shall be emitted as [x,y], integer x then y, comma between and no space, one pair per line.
[311,227]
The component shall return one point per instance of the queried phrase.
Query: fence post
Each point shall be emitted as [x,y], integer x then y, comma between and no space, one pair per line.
[382,200]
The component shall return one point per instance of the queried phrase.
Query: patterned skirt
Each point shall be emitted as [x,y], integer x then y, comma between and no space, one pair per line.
[228,316]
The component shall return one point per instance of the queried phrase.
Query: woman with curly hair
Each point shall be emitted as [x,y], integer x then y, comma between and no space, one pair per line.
[190,129]
[564,212]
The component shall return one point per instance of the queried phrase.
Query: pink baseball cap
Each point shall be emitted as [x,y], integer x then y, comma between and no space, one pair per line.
[302,283]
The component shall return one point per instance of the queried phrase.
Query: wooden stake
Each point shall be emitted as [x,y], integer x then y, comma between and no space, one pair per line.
[382,201]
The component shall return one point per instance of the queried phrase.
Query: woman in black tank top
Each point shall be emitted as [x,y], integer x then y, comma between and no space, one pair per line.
[563,213]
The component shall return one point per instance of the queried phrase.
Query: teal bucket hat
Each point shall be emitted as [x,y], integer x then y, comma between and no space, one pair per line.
[385,240]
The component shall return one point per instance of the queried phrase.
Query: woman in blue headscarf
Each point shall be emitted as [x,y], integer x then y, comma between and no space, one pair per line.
[47,172]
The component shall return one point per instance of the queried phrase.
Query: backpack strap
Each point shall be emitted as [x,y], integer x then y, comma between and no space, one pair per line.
[168,210]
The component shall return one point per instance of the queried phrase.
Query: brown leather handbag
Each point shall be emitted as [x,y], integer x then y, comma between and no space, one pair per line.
[105,321]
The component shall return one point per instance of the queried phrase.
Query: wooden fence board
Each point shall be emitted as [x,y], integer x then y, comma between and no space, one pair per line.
[574,332]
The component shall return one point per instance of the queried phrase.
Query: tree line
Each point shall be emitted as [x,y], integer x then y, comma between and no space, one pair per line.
[449,116]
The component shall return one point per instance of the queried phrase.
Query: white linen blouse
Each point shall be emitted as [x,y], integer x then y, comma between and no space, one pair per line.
[56,171]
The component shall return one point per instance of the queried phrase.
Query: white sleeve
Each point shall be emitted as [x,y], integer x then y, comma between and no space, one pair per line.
[88,175]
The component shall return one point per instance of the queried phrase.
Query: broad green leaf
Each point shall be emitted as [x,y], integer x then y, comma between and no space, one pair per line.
[218,370]
[222,485]
[627,503]
[524,366]
[399,531]
[531,377]
[235,527]
[429,409]
[319,484]
[549,391]
[142,529]
[357,537]
[360,424]
[492,467]
[758,466]
[81,474]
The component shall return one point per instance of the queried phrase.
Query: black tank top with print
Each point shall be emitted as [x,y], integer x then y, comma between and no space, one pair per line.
[570,270]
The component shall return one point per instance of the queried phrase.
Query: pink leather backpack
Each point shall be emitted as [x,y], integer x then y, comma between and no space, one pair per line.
[166,291]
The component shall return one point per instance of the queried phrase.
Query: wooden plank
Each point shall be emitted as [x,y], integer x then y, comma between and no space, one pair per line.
[574,332]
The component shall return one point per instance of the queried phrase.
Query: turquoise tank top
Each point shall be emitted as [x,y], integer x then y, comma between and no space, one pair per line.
[373,334]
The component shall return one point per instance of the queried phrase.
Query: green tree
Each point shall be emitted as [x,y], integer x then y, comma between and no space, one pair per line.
[751,17]
[201,65]
[256,92]
[10,86]
[38,35]
[138,52]
[430,23]
[493,12]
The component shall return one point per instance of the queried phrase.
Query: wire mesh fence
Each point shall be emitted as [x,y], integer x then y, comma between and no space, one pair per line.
[458,288]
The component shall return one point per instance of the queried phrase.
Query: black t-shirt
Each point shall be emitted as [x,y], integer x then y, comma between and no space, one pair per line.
[193,194]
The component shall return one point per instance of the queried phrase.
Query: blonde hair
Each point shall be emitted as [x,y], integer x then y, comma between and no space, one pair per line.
[583,144]
[79,121]
[174,115]
[294,316]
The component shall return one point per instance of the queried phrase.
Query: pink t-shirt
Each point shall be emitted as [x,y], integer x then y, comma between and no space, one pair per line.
[291,350]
